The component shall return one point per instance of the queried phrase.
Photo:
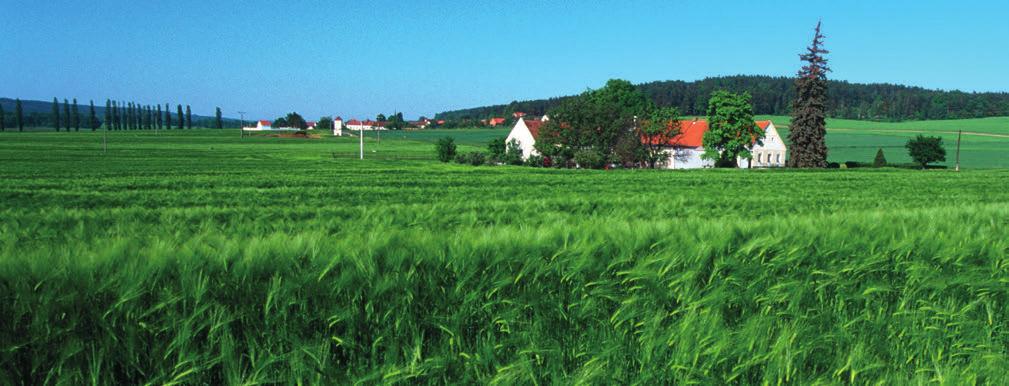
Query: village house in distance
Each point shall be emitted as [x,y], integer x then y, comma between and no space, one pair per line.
[685,149]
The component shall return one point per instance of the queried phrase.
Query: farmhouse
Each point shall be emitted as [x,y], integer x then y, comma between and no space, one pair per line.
[354,124]
[264,125]
[525,133]
[686,148]
[496,121]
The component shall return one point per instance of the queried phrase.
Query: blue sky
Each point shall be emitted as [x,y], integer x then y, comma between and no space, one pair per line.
[359,58]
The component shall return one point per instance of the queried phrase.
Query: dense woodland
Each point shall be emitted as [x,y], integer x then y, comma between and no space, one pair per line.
[774,95]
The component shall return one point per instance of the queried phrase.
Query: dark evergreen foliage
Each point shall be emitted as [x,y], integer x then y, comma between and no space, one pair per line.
[808,130]
[775,95]
[189,118]
[880,160]
[92,119]
[108,114]
[3,126]
[66,115]
[218,123]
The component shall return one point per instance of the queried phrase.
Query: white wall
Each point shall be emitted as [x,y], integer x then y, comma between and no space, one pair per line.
[521,133]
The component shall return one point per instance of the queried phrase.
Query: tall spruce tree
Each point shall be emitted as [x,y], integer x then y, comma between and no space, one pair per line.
[3,127]
[108,114]
[19,115]
[189,118]
[809,111]
[219,122]
[56,114]
[77,117]
[92,119]
[66,114]
[180,117]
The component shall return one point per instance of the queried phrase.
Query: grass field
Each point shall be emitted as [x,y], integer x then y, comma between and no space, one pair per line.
[198,257]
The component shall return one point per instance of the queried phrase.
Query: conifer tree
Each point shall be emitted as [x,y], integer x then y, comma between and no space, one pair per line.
[56,114]
[3,127]
[189,118]
[809,127]
[66,115]
[108,114]
[77,117]
[219,123]
[880,160]
[92,119]
[19,115]
[180,117]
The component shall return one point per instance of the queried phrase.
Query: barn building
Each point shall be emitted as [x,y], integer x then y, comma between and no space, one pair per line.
[525,133]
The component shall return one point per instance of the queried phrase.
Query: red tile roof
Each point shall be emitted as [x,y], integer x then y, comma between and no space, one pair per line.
[692,132]
[534,127]
[496,121]
[311,124]
[265,122]
[338,118]
[353,122]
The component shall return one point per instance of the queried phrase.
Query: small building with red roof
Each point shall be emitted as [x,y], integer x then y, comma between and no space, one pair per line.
[496,121]
[686,148]
[525,132]
[264,125]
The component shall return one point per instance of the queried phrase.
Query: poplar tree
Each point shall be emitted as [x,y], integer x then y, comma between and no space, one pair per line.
[220,123]
[189,118]
[809,119]
[56,114]
[115,116]
[77,117]
[66,114]
[158,118]
[3,127]
[92,119]
[179,116]
[108,113]
[168,117]
[19,115]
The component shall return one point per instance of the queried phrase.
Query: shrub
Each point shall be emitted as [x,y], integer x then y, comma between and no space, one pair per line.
[590,159]
[446,149]
[496,150]
[880,160]
[833,165]
[477,158]
[461,158]
[513,153]
[536,161]
[925,150]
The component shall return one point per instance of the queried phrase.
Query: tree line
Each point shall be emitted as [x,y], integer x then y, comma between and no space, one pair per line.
[116,115]
[776,96]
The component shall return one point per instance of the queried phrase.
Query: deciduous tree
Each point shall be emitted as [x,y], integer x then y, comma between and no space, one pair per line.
[808,129]
[446,149]
[925,150]
[296,121]
[19,115]
[56,114]
[92,118]
[181,118]
[731,129]
[656,132]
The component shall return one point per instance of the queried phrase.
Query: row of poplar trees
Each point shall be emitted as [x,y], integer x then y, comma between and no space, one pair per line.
[118,116]
[133,116]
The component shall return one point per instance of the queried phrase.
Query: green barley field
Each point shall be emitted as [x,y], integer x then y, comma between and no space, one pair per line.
[198,257]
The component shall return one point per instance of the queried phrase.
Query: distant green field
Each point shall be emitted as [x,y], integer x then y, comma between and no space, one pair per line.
[198,257]
[847,140]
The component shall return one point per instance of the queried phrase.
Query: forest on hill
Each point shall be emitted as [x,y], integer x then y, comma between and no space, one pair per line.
[774,95]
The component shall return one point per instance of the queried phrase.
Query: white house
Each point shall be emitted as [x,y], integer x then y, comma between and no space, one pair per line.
[354,124]
[264,125]
[338,127]
[526,131]
[686,148]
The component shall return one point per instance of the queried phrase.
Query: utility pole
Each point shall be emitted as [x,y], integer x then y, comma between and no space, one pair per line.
[241,128]
[959,133]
